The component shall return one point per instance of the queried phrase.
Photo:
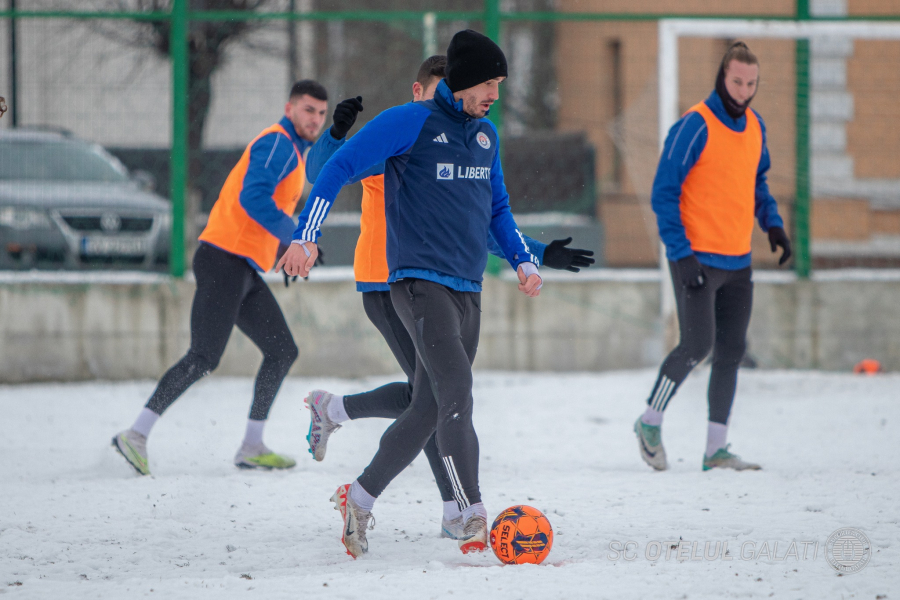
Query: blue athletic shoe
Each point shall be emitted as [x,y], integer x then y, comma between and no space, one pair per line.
[453,529]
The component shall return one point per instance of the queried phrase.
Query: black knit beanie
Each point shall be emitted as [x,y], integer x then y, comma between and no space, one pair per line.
[473,58]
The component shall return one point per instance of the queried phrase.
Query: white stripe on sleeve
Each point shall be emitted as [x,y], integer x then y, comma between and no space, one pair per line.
[691,145]
[309,219]
[272,153]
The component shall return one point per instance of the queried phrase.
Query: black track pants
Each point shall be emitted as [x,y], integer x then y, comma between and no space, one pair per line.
[230,292]
[714,317]
[391,400]
[444,325]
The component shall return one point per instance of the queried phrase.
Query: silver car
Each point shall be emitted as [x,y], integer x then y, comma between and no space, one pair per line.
[67,203]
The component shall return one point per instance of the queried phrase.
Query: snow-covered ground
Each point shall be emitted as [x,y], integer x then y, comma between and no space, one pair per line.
[76,522]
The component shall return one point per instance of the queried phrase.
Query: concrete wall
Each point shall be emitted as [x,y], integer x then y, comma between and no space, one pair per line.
[121,327]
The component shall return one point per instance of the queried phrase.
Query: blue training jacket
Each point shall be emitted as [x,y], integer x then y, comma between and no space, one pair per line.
[324,149]
[271,160]
[684,144]
[443,188]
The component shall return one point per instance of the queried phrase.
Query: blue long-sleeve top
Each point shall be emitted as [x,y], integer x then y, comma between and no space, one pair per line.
[444,191]
[272,158]
[684,144]
[324,149]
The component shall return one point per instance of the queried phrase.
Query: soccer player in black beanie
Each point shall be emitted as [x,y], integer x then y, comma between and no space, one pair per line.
[444,191]
[473,58]
[328,411]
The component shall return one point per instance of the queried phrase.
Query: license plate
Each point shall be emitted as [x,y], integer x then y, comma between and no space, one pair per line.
[113,246]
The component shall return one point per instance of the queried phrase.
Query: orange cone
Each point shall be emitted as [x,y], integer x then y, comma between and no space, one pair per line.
[867,366]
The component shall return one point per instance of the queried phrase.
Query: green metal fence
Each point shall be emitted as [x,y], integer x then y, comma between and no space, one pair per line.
[495,22]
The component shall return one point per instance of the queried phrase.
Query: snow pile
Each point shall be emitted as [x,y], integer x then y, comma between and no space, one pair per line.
[76,522]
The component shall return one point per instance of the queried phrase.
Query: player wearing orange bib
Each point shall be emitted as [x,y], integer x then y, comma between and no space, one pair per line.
[709,186]
[249,222]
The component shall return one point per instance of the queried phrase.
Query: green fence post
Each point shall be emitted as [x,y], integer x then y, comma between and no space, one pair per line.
[492,30]
[13,68]
[802,262]
[178,159]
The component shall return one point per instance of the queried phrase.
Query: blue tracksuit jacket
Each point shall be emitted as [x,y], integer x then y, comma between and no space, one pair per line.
[271,160]
[444,191]
[324,149]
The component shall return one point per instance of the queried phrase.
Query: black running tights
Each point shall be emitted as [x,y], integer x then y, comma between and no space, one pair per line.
[230,292]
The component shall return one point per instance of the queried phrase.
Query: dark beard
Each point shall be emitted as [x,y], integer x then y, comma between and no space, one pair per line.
[734,109]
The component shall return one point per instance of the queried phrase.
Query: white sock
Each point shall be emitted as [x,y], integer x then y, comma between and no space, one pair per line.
[253,434]
[336,411]
[145,421]
[361,497]
[474,509]
[652,417]
[716,433]
[451,510]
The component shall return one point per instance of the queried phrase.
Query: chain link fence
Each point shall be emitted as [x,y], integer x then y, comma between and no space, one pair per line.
[94,82]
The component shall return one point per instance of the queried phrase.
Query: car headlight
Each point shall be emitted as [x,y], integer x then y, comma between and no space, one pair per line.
[21,218]
[165,221]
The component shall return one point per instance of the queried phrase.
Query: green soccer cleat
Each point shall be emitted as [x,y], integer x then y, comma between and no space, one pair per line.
[260,457]
[650,444]
[723,459]
[133,446]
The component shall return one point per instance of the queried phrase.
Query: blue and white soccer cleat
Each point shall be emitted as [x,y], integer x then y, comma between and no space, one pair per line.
[453,529]
[320,426]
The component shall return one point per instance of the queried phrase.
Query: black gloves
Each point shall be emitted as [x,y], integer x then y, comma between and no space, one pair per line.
[691,272]
[345,116]
[777,237]
[557,256]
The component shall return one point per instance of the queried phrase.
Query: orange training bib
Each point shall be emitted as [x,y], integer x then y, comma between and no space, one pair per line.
[718,197]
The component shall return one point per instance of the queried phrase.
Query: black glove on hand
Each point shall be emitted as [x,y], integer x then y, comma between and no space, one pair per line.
[691,271]
[557,256]
[345,116]
[777,237]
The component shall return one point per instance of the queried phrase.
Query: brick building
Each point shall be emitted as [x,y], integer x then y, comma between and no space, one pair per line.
[608,88]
